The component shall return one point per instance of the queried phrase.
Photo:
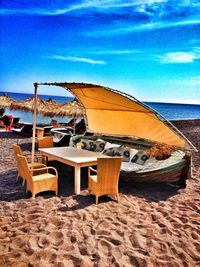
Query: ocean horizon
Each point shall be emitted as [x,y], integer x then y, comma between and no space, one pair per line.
[170,111]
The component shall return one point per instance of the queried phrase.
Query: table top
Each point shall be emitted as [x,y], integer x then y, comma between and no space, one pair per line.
[72,154]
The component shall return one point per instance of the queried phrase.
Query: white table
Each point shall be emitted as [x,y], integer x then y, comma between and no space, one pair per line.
[74,157]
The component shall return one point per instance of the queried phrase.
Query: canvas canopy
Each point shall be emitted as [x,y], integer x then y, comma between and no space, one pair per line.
[111,112]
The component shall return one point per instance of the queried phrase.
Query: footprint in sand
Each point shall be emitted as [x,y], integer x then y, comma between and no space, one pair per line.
[104,247]
[137,240]
[33,216]
[83,250]
[43,242]
[18,242]
[47,257]
[57,222]
[103,232]
[56,238]
[194,236]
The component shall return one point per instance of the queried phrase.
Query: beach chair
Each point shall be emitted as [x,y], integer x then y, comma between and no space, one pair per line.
[37,183]
[62,141]
[15,121]
[25,130]
[80,127]
[18,151]
[105,182]
[72,122]
[43,131]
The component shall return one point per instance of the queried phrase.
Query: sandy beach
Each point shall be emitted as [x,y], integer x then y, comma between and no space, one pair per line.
[152,225]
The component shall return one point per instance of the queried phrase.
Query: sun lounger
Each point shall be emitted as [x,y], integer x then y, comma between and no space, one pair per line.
[63,140]
[61,136]
[15,122]
[43,131]
[25,130]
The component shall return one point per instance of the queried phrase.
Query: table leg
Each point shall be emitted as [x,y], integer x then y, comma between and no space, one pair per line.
[77,180]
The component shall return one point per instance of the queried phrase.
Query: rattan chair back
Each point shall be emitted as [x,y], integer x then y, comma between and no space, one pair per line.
[106,181]
[45,142]
[17,151]
[25,170]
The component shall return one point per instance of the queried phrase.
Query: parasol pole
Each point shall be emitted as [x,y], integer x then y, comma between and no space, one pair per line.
[34,122]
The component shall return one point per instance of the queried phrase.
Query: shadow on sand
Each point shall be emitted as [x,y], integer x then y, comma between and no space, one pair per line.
[11,190]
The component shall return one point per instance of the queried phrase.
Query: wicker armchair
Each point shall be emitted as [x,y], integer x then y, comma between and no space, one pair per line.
[38,180]
[35,165]
[45,142]
[105,182]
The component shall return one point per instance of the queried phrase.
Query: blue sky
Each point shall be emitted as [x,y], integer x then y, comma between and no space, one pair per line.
[147,48]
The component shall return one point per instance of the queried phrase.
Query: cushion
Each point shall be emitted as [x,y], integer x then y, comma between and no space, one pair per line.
[124,152]
[133,151]
[118,151]
[109,145]
[92,145]
[100,145]
[110,151]
[140,157]
[88,145]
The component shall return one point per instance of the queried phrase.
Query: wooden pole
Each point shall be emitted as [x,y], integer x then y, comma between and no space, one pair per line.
[34,122]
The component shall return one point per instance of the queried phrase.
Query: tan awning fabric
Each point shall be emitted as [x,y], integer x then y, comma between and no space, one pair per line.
[114,113]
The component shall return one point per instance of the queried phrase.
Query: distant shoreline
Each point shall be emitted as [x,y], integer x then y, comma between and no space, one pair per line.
[168,111]
[185,123]
[143,101]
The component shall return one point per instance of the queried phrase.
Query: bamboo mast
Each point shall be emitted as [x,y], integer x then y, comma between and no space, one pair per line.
[34,121]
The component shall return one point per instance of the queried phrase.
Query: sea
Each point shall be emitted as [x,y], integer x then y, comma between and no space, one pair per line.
[169,111]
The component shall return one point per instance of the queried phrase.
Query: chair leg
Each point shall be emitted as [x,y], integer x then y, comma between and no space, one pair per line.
[23,183]
[17,177]
[97,198]
[117,197]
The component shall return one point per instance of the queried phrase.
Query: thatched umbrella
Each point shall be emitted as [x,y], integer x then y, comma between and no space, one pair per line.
[43,107]
[71,109]
[52,102]
[6,101]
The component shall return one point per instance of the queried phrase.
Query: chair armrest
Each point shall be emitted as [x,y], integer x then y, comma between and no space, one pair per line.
[91,169]
[45,168]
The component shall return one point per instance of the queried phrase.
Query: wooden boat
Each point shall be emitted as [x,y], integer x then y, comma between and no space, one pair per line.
[177,168]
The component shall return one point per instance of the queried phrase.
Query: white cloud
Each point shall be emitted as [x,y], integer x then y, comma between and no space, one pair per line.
[114,52]
[179,57]
[100,5]
[107,4]
[120,30]
[77,59]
